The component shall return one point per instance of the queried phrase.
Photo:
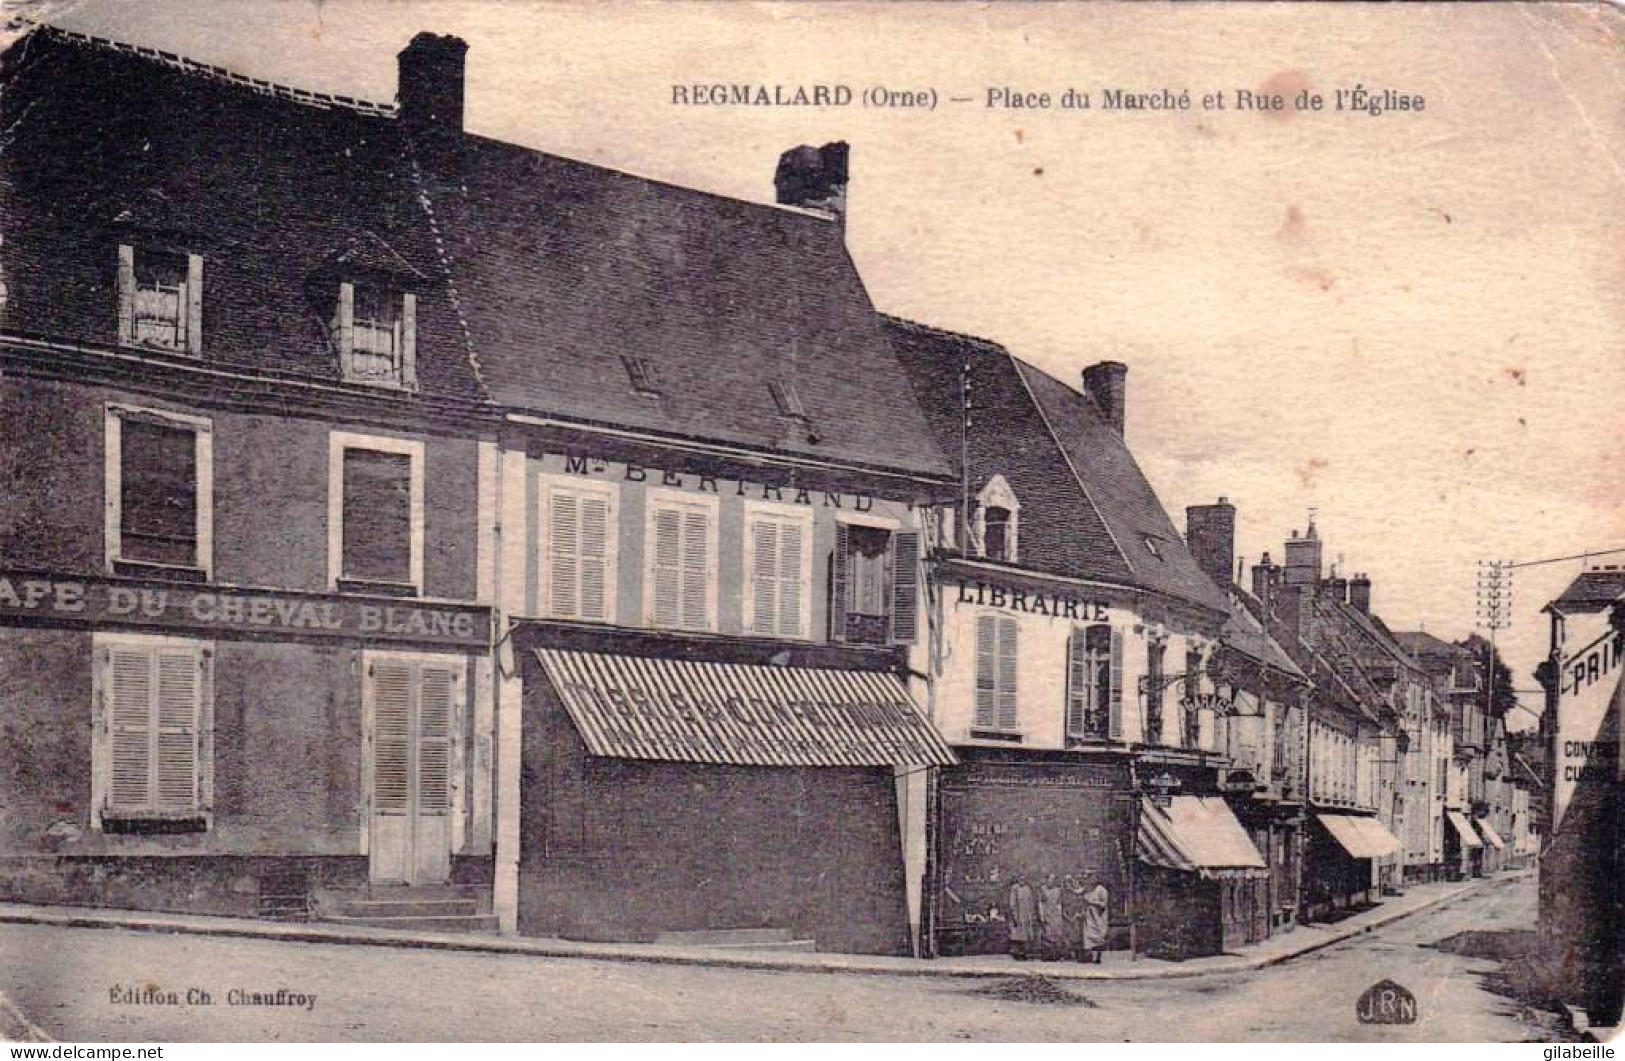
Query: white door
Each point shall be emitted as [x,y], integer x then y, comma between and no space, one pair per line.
[413,705]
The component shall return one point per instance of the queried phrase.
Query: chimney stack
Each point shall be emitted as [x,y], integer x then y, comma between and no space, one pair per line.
[1360,593]
[1337,588]
[814,178]
[1210,532]
[1266,577]
[1106,384]
[430,82]
[1303,558]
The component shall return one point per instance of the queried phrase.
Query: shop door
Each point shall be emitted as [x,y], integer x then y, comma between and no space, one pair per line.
[413,708]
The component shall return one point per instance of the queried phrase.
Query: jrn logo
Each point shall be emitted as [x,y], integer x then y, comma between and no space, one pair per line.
[1386,1002]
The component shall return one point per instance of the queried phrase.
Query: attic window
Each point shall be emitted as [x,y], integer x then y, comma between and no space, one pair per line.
[1153,546]
[376,329]
[641,371]
[160,299]
[786,398]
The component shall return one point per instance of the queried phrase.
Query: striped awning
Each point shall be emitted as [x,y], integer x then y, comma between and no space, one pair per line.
[1464,829]
[633,707]
[1197,834]
[1490,834]
[1360,837]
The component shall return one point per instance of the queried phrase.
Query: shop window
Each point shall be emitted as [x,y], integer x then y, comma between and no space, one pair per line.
[996,656]
[159,484]
[875,576]
[778,570]
[1094,698]
[577,568]
[376,333]
[152,719]
[680,573]
[375,514]
[1156,690]
[995,527]
[160,299]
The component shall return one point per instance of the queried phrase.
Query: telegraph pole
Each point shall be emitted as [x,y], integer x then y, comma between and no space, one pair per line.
[1494,595]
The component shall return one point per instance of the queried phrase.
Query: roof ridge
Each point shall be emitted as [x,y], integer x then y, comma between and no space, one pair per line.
[947,333]
[217,74]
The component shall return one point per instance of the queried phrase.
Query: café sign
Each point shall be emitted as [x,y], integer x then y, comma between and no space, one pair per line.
[219,611]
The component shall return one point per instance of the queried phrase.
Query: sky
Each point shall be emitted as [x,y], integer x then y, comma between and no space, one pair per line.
[1409,323]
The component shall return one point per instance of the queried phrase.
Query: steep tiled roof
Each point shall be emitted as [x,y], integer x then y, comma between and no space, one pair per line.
[1085,506]
[564,269]
[1244,632]
[1592,591]
[272,186]
[1420,643]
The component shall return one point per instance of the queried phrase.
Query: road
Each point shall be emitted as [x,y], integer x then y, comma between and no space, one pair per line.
[61,979]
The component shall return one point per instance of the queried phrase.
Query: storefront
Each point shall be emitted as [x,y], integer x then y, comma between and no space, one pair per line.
[1339,856]
[707,789]
[1203,885]
[1463,847]
[1043,819]
[202,748]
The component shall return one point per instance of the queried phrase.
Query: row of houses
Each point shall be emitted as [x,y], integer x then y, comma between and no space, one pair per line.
[413,527]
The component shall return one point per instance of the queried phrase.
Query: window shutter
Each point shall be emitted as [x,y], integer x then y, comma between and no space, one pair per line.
[594,544]
[905,587]
[1117,685]
[763,576]
[837,574]
[667,567]
[1007,675]
[130,723]
[126,293]
[564,560]
[986,666]
[391,737]
[179,688]
[344,324]
[437,711]
[790,579]
[696,572]
[409,340]
[1077,683]
[194,303]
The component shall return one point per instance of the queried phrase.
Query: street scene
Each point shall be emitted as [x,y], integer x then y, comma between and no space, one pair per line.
[461,583]
[1450,958]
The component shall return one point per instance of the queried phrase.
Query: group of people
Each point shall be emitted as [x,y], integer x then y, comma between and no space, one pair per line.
[1056,921]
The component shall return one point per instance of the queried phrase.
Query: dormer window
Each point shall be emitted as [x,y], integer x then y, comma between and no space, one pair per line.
[376,327]
[787,400]
[160,299]
[1153,546]
[995,527]
[641,371]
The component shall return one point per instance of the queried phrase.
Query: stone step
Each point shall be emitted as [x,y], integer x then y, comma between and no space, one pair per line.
[727,937]
[408,907]
[428,923]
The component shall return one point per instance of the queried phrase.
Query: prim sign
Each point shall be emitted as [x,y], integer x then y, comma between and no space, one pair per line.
[224,611]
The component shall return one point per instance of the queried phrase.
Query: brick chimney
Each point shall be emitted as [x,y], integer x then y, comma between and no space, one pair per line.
[1210,532]
[1266,579]
[430,82]
[814,178]
[1337,588]
[1303,555]
[1360,593]
[1106,384]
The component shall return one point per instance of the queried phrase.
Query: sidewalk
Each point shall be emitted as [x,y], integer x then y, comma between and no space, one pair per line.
[1117,966]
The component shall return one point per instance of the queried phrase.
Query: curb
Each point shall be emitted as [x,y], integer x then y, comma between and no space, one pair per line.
[16,1028]
[510,946]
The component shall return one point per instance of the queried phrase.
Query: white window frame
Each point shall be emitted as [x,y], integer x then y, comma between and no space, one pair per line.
[997,494]
[654,499]
[406,330]
[547,484]
[113,482]
[337,443]
[101,750]
[800,514]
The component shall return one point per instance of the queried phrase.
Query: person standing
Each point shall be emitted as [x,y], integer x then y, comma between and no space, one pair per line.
[1051,923]
[1023,918]
[1096,923]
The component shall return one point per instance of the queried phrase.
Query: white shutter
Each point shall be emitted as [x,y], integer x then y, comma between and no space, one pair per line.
[438,693]
[194,303]
[126,293]
[391,735]
[176,723]
[1077,682]
[409,340]
[130,728]
[1007,720]
[791,592]
[667,567]
[594,550]
[696,569]
[564,554]
[763,576]
[986,671]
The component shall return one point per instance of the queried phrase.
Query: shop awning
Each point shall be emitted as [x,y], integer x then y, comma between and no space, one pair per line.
[1360,837]
[1464,829]
[1490,834]
[1197,834]
[630,707]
